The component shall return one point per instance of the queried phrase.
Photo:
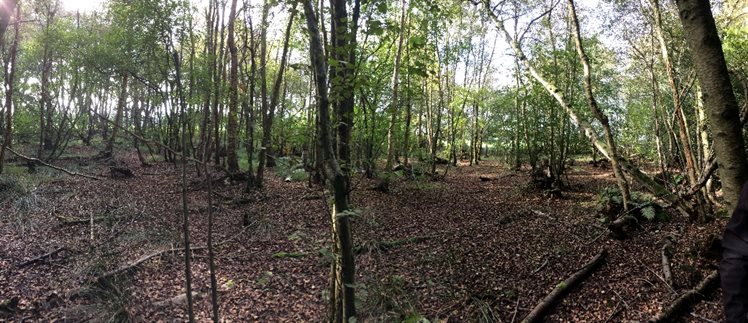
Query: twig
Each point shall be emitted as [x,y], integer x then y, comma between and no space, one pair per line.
[143,259]
[40,258]
[703,318]
[39,161]
[539,268]
[516,308]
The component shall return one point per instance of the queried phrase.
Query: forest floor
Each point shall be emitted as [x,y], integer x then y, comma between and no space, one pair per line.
[462,249]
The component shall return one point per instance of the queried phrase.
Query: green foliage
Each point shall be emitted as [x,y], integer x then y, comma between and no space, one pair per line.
[290,168]
[609,200]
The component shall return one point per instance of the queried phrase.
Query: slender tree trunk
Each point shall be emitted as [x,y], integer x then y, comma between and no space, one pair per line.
[121,102]
[269,113]
[185,210]
[232,129]
[345,280]
[623,184]
[10,72]
[395,84]
[677,100]
[719,99]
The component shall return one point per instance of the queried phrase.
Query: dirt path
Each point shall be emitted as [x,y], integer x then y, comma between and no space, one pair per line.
[465,250]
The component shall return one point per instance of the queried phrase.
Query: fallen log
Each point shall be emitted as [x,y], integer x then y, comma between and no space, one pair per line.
[74,221]
[550,301]
[487,178]
[687,299]
[40,258]
[667,251]
[40,162]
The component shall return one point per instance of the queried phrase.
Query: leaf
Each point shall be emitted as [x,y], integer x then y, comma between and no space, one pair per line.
[375,28]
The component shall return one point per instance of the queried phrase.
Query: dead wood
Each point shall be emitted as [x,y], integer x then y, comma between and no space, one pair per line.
[133,265]
[73,221]
[618,226]
[40,258]
[667,252]
[487,178]
[121,172]
[40,162]
[685,300]
[550,301]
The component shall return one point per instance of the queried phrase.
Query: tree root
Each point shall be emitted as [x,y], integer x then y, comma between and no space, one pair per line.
[550,301]
[687,299]
[40,258]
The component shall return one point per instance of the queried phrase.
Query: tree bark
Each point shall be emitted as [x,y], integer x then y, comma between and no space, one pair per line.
[185,210]
[10,72]
[623,184]
[719,99]
[232,129]
[268,112]
[121,102]
[395,87]
[343,283]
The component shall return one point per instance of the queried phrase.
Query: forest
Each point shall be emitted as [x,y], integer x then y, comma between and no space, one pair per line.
[369,160]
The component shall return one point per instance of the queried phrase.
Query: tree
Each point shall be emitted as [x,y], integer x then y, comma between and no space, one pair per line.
[623,184]
[232,130]
[342,301]
[10,72]
[719,99]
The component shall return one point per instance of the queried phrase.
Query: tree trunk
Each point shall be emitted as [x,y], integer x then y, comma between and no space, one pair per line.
[677,100]
[269,110]
[395,84]
[344,280]
[121,102]
[623,184]
[232,129]
[185,210]
[719,99]
[10,72]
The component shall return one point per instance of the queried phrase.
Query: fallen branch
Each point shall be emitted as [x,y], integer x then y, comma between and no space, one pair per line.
[40,258]
[74,221]
[133,265]
[537,313]
[667,251]
[487,178]
[39,161]
[687,299]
